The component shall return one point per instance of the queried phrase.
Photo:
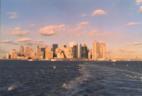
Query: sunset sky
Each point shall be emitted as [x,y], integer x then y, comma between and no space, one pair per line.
[116,22]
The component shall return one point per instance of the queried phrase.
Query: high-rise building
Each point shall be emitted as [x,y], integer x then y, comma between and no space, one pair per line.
[102,51]
[67,52]
[48,53]
[28,52]
[60,53]
[38,53]
[79,52]
[54,47]
[95,51]
[13,54]
[98,51]
[90,54]
[84,51]
[21,51]
[71,51]
[75,51]
[43,52]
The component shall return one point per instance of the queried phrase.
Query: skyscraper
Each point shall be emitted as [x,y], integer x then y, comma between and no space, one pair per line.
[98,51]
[54,47]
[75,51]
[102,50]
[67,52]
[60,53]
[21,51]
[38,53]
[28,52]
[48,53]
[43,51]
[13,54]
[90,54]
[84,51]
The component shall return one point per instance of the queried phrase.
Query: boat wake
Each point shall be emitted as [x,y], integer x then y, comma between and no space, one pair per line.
[96,80]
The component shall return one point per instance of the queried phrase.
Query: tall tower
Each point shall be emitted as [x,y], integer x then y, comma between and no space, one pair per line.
[75,51]
[84,51]
[13,54]
[48,53]
[43,52]
[102,50]
[38,53]
[21,51]
[79,51]
[54,47]
[99,51]
[94,51]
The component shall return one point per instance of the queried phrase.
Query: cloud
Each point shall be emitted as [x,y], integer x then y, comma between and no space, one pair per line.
[140,9]
[24,40]
[8,42]
[139,1]
[51,30]
[133,23]
[99,12]
[18,31]
[83,15]
[126,50]
[136,44]
[12,15]
[91,33]
[77,29]
[81,26]
[32,25]
[83,23]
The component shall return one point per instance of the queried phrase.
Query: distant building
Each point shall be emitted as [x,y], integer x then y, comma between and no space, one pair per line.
[90,54]
[13,54]
[99,51]
[48,53]
[43,52]
[67,52]
[28,52]
[38,53]
[71,51]
[21,51]
[75,51]
[102,51]
[60,53]
[79,52]
[54,47]
[84,51]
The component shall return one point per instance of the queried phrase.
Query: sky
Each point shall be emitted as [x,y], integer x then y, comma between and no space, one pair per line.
[118,23]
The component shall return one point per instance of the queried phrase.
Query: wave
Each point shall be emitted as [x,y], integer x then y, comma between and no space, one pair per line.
[105,81]
[74,86]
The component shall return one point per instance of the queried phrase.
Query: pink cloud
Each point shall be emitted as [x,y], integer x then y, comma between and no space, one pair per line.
[24,40]
[135,44]
[8,42]
[83,15]
[51,30]
[83,23]
[132,23]
[140,10]
[99,12]
[18,31]
[138,1]
[12,15]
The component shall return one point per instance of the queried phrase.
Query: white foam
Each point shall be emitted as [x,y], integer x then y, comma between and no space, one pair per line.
[73,85]
[12,87]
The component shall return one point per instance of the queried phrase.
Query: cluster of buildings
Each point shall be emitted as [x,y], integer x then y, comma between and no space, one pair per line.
[64,52]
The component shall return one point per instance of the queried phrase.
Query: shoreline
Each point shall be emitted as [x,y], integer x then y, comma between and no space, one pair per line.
[70,60]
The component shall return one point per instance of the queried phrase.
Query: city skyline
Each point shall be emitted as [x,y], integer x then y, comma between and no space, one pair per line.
[70,51]
[33,22]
